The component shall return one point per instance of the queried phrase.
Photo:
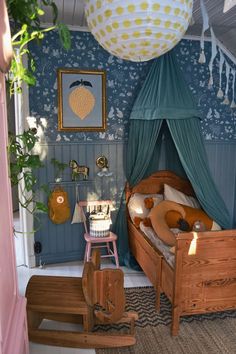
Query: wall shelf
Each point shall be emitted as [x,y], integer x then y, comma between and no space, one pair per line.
[73,183]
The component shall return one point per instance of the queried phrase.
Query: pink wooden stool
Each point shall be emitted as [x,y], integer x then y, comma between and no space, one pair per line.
[98,242]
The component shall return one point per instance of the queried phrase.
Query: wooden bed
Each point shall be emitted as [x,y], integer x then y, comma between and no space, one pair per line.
[204,281]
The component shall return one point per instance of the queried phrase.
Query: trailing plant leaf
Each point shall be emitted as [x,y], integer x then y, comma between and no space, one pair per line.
[55,12]
[28,138]
[28,77]
[25,25]
[15,171]
[42,207]
[45,189]
[24,18]
[23,164]
[64,35]
[33,161]
[24,11]
[30,180]
[59,167]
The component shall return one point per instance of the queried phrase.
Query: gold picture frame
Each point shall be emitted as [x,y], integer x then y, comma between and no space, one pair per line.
[81,100]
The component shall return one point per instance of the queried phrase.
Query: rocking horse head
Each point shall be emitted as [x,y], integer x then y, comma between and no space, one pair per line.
[77,170]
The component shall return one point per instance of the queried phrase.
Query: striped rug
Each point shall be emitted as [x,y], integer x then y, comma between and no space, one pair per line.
[213,333]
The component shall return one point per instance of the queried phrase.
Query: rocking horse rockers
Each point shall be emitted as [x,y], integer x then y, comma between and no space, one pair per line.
[96,298]
[77,170]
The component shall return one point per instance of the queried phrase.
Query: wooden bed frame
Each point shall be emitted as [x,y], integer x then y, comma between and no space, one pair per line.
[204,276]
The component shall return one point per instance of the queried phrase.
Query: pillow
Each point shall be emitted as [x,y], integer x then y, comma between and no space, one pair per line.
[215,226]
[173,195]
[137,207]
[159,223]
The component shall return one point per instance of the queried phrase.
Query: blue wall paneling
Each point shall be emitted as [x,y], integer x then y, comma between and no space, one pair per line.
[222,161]
[65,242]
[124,79]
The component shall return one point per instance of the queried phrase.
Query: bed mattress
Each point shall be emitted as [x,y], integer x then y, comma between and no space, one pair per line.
[159,244]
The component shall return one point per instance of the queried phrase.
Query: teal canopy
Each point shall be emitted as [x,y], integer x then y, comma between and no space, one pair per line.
[165,114]
[164,94]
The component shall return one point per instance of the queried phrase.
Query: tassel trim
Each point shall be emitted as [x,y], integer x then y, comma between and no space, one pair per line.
[202,58]
[226,101]
[233,104]
[210,83]
[220,93]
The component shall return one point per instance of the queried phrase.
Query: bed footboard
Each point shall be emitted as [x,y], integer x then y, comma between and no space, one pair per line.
[205,274]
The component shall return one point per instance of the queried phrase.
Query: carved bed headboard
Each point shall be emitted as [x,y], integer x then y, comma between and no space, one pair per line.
[155,184]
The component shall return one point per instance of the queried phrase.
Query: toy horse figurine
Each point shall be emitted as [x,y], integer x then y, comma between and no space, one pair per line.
[77,170]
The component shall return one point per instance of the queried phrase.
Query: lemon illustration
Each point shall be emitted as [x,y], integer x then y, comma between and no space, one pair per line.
[81,99]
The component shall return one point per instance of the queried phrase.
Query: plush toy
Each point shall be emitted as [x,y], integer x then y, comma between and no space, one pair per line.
[147,222]
[149,203]
[169,214]
[159,222]
[183,225]
[199,226]
[191,216]
[138,220]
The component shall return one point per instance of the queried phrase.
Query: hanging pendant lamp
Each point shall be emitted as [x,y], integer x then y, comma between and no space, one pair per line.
[138,30]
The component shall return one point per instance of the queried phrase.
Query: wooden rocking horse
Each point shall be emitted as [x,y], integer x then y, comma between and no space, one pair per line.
[96,298]
[78,170]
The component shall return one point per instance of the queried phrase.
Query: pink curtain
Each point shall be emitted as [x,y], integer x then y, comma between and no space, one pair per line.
[6,52]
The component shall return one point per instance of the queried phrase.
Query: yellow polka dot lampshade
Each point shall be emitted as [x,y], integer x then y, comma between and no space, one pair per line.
[138,30]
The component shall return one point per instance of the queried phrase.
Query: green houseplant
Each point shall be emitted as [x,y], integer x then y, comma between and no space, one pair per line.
[59,168]
[25,24]
[23,164]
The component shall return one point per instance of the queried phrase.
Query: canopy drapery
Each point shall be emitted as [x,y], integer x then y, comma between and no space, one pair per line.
[164,94]
[165,97]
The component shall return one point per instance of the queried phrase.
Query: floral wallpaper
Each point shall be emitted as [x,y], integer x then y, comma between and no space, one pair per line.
[218,119]
[124,79]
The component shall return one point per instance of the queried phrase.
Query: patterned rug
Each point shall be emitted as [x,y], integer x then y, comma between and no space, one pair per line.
[213,333]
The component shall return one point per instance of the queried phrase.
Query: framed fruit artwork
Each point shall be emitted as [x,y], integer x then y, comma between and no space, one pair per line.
[81,100]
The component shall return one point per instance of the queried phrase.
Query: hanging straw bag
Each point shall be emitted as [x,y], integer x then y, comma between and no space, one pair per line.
[58,206]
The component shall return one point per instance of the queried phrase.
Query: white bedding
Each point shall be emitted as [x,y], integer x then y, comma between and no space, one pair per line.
[159,244]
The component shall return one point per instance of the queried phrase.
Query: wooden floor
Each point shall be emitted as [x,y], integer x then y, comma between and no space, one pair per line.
[132,279]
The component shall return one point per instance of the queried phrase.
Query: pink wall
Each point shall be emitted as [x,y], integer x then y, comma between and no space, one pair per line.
[13,329]
[13,325]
